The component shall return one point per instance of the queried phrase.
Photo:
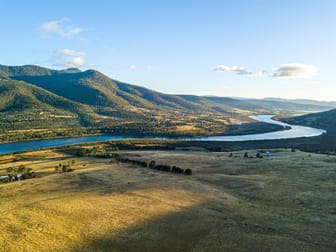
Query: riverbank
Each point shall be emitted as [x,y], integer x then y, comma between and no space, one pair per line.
[293,132]
[12,136]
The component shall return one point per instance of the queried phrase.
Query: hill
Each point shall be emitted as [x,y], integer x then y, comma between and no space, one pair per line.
[19,99]
[94,88]
[281,203]
[324,120]
[30,112]
[42,98]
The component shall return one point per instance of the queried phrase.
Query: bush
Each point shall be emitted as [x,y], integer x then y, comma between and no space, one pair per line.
[136,162]
[67,168]
[188,171]
[165,168]
[176,169]
[152,164]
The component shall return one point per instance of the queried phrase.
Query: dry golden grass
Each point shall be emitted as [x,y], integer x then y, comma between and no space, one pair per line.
[281,203]
[185,128]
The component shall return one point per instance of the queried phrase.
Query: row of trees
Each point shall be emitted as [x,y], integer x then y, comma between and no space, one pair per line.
[160,167]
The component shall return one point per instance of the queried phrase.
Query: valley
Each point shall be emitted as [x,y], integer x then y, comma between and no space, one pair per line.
[167,126]
[40,103]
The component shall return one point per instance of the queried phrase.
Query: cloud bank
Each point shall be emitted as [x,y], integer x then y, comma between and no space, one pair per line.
[290,70]
[62,27]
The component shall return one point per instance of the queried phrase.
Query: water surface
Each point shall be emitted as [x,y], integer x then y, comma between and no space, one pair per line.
[294,132]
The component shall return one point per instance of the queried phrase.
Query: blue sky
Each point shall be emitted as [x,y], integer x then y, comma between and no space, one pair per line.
[251,48]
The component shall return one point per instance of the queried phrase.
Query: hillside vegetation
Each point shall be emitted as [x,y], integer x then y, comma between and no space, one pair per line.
[37,102]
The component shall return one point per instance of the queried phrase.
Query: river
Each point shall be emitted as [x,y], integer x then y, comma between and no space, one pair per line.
[295,131]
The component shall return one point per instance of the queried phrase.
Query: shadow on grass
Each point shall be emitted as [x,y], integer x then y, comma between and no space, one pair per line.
[205,227]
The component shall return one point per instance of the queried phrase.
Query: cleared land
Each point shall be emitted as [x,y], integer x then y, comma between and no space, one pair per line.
[285,202]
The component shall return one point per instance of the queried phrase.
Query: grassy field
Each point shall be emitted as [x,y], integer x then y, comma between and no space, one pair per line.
[285,202]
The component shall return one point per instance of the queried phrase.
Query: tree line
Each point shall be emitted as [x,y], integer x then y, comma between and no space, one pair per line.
[159,167]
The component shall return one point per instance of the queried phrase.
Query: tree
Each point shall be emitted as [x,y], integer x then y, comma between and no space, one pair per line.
[22,169]
[188,171]
[152,164]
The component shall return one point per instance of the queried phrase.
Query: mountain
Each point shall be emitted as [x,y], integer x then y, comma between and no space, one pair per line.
[23,105]
[95,89]
[304,101]
[38,98]
[287,105]
[107,95]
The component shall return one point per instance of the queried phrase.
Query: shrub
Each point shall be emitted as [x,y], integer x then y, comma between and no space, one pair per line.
[152,164]
[67,168]
[188,171]
[165,168]
[176,169]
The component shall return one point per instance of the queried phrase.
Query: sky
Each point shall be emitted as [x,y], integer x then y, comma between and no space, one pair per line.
[236,48]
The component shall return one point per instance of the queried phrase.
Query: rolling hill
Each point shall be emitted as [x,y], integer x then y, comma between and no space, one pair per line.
[21,102]
[324,120]
[33,97]
[95,89]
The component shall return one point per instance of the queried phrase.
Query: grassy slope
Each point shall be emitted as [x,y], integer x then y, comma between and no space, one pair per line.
[281,203]
[323,120]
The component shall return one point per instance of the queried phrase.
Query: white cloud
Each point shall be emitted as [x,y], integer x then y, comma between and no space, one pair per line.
[233,69]
[73,53]
[62,27]
[295,70]
[76,62]
[262,73]
[140,68]
[291,70]
[70,58]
